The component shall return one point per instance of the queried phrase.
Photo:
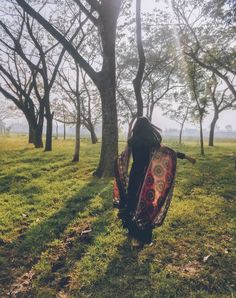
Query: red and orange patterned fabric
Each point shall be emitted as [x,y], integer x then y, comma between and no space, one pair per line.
[157,189]
[156,192]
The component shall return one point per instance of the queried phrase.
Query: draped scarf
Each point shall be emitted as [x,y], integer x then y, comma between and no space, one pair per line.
[156,191]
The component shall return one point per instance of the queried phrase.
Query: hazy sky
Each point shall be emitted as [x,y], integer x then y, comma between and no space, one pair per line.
[226,118]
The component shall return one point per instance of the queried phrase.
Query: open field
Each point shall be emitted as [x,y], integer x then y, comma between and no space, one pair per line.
[47,201]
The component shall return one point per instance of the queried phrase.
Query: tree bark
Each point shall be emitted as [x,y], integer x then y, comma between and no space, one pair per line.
[107,89]
[90,127]
[137,82]
[109,148]
[180,133]
[78,119]
[31,135]
[130,127]
[182,125]
[35,123]
[56,137]
[93,135]
[212,129]
[48,144]
[77,136]
[64,131]
[38,141]
[201,137]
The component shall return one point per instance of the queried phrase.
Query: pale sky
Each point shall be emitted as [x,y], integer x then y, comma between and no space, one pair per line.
[226,118]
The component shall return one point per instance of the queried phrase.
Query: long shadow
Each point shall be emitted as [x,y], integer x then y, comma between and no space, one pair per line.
[126,276]
[25,250]
[214,174]
[77,245]
[22,175]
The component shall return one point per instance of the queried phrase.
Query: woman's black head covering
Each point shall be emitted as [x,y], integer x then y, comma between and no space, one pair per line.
[144,130]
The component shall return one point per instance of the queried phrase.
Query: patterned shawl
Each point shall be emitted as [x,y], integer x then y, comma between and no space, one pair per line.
[157,189]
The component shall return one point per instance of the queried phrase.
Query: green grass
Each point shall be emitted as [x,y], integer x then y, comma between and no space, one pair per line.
[47,201]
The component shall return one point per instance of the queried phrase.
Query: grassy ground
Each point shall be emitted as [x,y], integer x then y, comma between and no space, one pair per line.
[47,202]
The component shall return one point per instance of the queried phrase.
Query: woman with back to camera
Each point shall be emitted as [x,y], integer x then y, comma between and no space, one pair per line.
[145,140]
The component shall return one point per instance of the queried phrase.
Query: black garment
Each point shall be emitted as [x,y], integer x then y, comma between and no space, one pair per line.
[141,152]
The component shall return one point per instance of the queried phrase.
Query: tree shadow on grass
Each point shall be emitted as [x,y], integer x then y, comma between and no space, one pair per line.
[75,246]
[93,258]
[21,254]
[126,276]
[22,175]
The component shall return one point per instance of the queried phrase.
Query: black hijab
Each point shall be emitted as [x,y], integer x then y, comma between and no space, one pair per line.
[145,131]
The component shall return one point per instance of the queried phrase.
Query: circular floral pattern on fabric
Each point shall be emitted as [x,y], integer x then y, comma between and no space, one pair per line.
[166,163]
[157,156]
[158,171]
[150,195]
[149,180]
[160,185]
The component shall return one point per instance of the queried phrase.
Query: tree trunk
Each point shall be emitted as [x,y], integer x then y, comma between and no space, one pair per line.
[31,135]
[90,127]
[137,82]
[49,117]
[56,131]
[182,125]
[109,148]
[212,129]
[48,144]
[77,137]
[201,137]
[107,89]
[130,127]
[151,112]
[64,130]
[35,122]
[78,119]
[180,133]
[38,141]
[93,135]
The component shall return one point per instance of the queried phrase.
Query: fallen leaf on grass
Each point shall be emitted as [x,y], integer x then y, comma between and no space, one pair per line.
[206,258]
[87,231]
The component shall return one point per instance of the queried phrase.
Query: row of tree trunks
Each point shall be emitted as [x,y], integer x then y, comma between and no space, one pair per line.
[108,11]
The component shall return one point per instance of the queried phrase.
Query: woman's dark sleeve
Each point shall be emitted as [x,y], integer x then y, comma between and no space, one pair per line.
[180,155]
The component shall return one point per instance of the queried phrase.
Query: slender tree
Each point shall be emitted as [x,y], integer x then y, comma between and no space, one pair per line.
[137,82]
[197,84]
[177,107]
[221,100]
